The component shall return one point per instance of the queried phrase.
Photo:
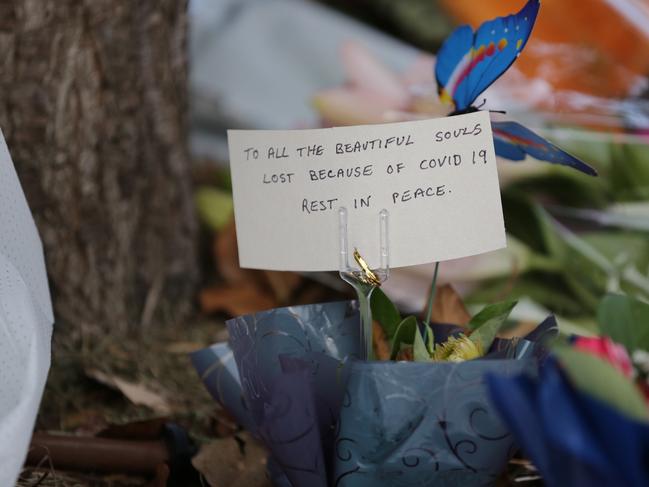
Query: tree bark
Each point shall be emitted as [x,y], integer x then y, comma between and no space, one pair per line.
[92,104]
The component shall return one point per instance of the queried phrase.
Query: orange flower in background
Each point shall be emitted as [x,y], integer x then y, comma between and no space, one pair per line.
[597,47]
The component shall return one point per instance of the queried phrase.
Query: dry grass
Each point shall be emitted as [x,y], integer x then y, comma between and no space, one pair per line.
[157,358]
[48,477]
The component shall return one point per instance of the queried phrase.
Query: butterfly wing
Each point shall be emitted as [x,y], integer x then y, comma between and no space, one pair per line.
[452,58]
[467,62]
[514,141]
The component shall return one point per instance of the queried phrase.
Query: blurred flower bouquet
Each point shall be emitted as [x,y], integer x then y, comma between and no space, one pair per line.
[422,415]
[571,238]
[585,419]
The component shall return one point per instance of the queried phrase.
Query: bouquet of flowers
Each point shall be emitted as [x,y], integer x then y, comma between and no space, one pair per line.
[291,376]
[446,404]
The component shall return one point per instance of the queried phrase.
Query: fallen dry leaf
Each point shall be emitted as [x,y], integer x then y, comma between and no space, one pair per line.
[520,329]
[236,300]
[226,256]
[263,289]
[223,464]
[448,307]
[138,394]
[223,423]
[183,348]
[311,292]
[405,354]
[283,284]
[86,421]
[221,335]
[380,342]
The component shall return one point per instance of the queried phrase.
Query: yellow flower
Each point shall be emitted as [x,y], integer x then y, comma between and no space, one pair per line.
[457,349]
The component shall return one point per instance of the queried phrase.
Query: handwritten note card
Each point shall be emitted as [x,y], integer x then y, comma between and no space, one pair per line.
[437,179]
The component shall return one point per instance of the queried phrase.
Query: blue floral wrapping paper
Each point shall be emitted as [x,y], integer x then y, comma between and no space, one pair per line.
[285,402]
[407,423]
[331,420]
[217,369]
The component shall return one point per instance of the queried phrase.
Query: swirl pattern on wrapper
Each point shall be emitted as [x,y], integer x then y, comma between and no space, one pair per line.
[411,423]
[217,369]
[284,397]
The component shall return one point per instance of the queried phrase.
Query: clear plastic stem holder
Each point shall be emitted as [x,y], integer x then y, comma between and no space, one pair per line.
[356,276]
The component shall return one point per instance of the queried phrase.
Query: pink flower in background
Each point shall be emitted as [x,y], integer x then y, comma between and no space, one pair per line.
[607,349]
[374,94]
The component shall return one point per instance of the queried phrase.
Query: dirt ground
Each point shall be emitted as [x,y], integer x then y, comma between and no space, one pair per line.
[157,360]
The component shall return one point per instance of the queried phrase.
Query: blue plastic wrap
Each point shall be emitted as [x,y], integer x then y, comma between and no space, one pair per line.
[572,438]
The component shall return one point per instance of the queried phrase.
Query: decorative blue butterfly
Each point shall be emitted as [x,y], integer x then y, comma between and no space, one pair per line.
[469,62]
[514,141]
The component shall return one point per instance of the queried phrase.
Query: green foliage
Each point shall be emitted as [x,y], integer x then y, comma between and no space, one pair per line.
[625,320]
[612,255]
[547,290]
[215,207]
[419,350]
[497,312]
[629,174]
[404,334]
[385,312]
[484,327]
[595,263]
[621,248]
[564,185]
[487,323]
[624,216]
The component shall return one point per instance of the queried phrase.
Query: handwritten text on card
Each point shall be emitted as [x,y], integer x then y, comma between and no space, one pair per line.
[437,178]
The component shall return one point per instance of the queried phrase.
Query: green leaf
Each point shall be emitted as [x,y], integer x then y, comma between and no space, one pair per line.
[385,312]
[548,291]
[486,324]
[419,350]
[598,262]
[405,333]
[625,320]
[601,380]
[627,216]
[585,269]
[554,244]
[629,255]
[214,207]
[499,310]
[621,246]
[629,171]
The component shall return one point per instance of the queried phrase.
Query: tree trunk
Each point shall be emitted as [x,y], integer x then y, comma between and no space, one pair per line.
[92,104]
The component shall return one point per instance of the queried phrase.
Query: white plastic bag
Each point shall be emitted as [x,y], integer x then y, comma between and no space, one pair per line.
[25,322]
